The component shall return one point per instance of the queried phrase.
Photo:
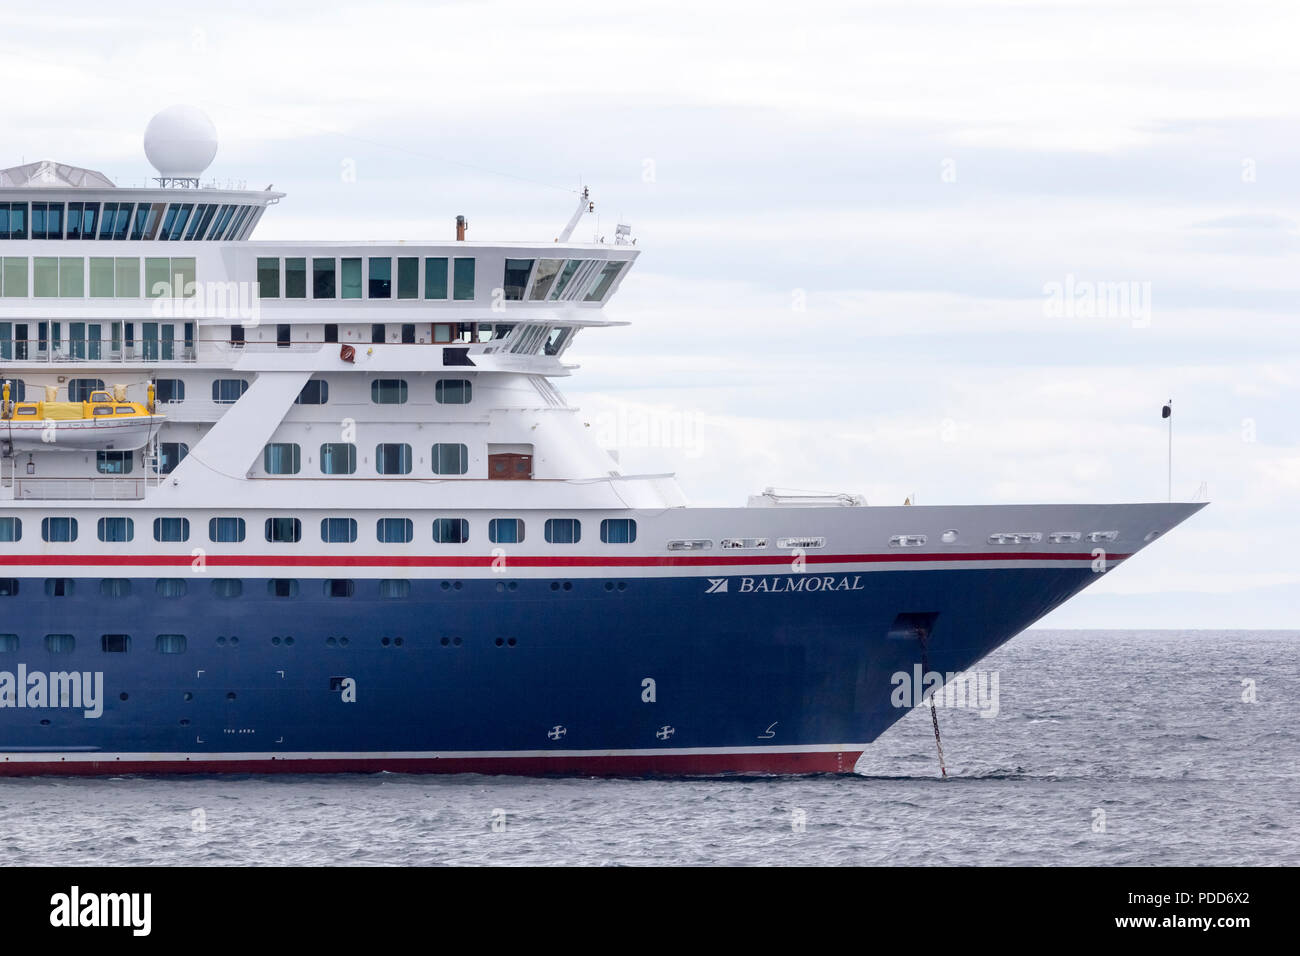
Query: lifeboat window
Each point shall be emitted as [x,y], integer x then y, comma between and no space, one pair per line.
[171,529]
[103,410]
[295,278]
[463,279]
[226,530]
[563,530]
[381,277]
[394,588]
[618,531]
[227,391]
[11,529]
[116,529]
[227,587]
[283,530]
[59,529]
[435,278]
[282,458]
[322,279]
[170,587]
[170,643]
[338,458]
[59,587]
[340,587]
[29,410]
[393,458]
[60,643]
[450,530]
[453,391]
[8,643]
[282,587]
[115,643]
[81,389]
[123,410]
[169,391]
[506,531]
[338,530]
[450,458]
[170,454]
[100,397]
[394,530]
[388,391]
[268,278]
[115,587]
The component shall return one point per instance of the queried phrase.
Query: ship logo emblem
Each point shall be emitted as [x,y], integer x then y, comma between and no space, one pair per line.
[664,732]
[717,586]
[556,732]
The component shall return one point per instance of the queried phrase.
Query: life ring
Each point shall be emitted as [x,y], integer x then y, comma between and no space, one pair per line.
[348,354]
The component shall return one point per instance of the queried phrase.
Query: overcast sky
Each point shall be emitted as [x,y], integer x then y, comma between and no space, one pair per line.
[857,222]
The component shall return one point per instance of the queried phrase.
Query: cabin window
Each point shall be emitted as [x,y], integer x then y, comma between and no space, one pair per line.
[79,389]
[268,278]
[59,587]
[59,529]
[377,334]
[8,587]
[226,530]
[115,643]
[339,587]
[408,278]
[450,530]
[169,391]
[506,531]
[392,588]
[227,391]
[351,278]
[322,279]
[283,530]
[388,391]
[393,458]
[315,392]
[381,277]
[450,458]
[435,278]
[227,587]
[170,643]
[394,530]
[516,278]
[60,643]
[8,643]
[282,587]
[295,278]
[331,332]
[115,587]
[171,529]
[114,462]
[282,458]
[11,529]
[453,391]
[116,529]
[463,279]
[618,531]
[283,338]
[408,334]
[563,531]
[237,336]
[171,454]
[338,530]
[338,458]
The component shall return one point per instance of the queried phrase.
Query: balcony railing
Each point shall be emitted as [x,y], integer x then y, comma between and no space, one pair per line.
[92,489]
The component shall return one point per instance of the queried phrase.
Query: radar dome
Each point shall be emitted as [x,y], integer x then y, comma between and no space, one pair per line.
[180,142]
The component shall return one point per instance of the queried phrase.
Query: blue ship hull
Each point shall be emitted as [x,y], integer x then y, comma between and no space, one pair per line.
[673,674]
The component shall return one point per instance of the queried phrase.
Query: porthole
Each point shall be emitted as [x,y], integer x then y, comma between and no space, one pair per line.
[568,585]
[185,721]
[445,641]
[456,641]
[384,641]
[330,642]
[221,641]
[230,695]
[188,696]
[275,640]
[397,641]
[622,585]
[511,641]
[122,696]
[499,642]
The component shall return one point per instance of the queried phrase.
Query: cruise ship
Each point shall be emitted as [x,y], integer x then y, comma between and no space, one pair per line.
[322,506]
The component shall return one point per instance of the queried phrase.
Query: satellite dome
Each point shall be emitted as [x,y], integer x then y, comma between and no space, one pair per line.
[180,142]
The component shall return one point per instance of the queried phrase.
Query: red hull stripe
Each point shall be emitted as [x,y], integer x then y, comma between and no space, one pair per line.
[672,764]
[520,561]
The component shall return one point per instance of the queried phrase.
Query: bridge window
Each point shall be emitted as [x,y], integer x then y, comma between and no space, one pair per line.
[295,278]
[450,530]
[393,459]
[322,278]
[453,391]
[268,278]
[381,277]
[352,278]
[116,529]
[338,458]
[506,531]
[338,530]
[114,462]
[547,270]
[463,279]
[408,278]
[394,530]
[618,531]
[450,458]
[171,529]
[282,458]
[226,530]
[59,529]
[435,278]
[516,278]
[607,277]
[563,531]
[283,530]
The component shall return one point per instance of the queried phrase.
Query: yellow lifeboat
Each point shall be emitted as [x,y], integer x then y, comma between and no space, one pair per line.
[105,421]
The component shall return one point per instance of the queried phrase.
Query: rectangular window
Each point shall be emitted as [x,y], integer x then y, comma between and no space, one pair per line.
[339,587]
[59,587]
[450,458]
[282,335]
[435,278]
[463,285]
[394,530]
[563,531]
[268,277]
[295,278]
[171,529]
[15,277]
[11,529]
[227,587]
[115,587]
[388,391]
[60,643]
[115,643]
[452,391]
[408,334]
[226,530]
[408,278]
[506,531]
[170,587]
[393,458]
[377,333]
[618,531]
[315,392]
[237,336]
[282,587]
[127,278]
[381,277]
[8,587]
[170,643]
[171,454]
[390,588]
[283,530]
[281,458]
[322,278]
[183,276]
[72,278]
[59,529]
[338,530]
[607,277]
[351,278]
[338,458]
[227,391]
[516,278]
[9,642]
[547,270]
[169,391]
[450,530]
[101,277]
[45,277]
[158,278]
[331,332]
[114,462]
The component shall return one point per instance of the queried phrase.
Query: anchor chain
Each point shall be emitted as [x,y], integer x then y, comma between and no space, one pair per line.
[934,713]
